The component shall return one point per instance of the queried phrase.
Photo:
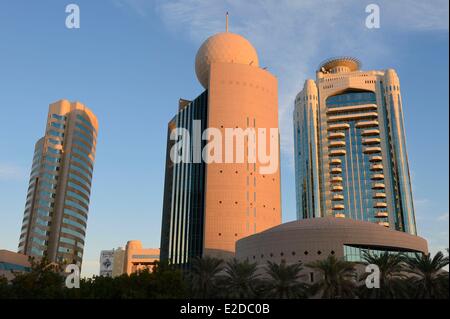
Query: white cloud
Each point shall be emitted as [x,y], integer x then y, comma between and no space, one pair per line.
[443,217]
[12,172]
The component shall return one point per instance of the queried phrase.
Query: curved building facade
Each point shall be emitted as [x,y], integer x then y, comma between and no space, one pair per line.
[57,204]
[350,149]
[313,239]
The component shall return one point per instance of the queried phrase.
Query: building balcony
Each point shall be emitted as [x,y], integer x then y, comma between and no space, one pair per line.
[338,197]
[376,158]
[336,161]
[354,116]
[344,109]
[377,176]
[334,136]
[385,224]
[380,205]
[378,186]
[336,144]
[372,150]
[337,152]
[336,170]
[376,167]
[371,132]
[339,215]
[364,124]
[338,207]
[338,127]
[381,215]
[371,141]
[336,179]
[337,188]
[379,195]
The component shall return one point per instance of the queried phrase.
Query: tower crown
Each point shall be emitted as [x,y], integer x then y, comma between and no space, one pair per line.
[340,65]
[224,47]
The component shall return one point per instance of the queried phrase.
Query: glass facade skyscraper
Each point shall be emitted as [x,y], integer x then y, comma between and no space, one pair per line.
[184,191]
[350,149]
[57,203]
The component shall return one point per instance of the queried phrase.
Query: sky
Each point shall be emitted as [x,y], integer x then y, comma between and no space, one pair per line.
[131,60]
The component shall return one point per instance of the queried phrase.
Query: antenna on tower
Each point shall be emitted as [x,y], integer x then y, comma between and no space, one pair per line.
[226,22]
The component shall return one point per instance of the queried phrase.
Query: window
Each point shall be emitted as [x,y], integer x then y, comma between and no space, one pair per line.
[80,179]
[55,133]
[74,223]
[82,145]
[59,117]
[65,250]
[78,188]
[82,163]
[84,155]
[67,240]
[75,214]
[83,137]
[145,256]
[76,205]
[53,151]
[78,197]
[86,122]
[81,171]
[58,125]
[85,130]
[55,142]
[72,232]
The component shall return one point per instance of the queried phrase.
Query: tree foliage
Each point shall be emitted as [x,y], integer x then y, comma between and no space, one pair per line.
[421,276]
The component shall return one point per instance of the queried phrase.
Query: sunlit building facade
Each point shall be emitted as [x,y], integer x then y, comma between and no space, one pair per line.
[350,149]
[134,258]
[57,202]
[208,206]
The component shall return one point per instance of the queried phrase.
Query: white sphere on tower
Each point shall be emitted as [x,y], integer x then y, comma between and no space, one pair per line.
[224,47]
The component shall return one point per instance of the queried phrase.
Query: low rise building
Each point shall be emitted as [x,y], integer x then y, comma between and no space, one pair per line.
[314,239]
[132,259]
[11,263]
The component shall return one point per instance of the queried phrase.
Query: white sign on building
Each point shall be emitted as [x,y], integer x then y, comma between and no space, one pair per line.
[106,263]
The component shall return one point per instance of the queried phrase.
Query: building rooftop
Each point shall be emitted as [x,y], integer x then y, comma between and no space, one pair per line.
[332,64]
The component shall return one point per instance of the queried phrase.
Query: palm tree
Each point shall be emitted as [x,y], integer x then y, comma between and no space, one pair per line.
[283,282]
[338,278]
[240,280]
[429,278]
[203,276]
[392,276]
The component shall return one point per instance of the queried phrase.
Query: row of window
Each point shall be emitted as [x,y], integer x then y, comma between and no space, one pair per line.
[73,213]
[293,253]
[72,232]
[76,205]
[74,223]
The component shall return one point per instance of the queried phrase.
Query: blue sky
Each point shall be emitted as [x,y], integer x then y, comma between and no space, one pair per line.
[132,60]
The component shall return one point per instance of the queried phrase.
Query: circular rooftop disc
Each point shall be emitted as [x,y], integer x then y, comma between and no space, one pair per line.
[224,47]
[340,64]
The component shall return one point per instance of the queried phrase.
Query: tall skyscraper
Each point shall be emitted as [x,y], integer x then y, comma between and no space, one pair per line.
[209,205]
[350,150]
[57,203]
